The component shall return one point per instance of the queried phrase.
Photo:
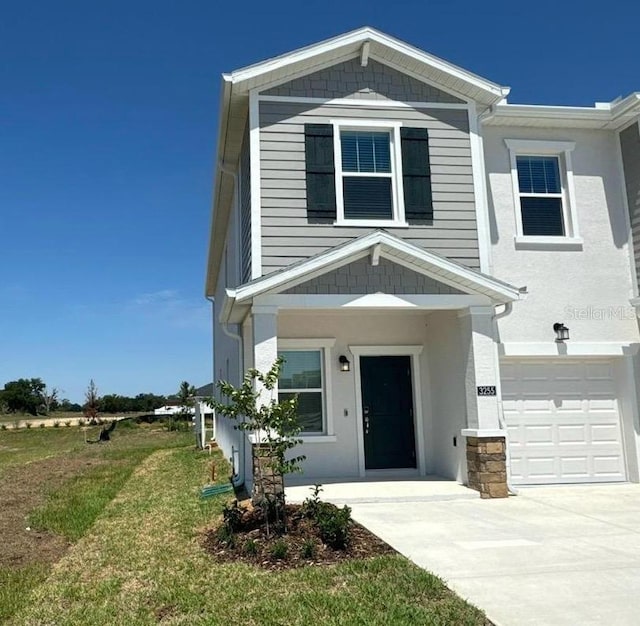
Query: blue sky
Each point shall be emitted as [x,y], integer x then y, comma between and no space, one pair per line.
[108,117]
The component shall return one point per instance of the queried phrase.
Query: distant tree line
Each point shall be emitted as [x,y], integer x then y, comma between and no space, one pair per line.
[33,396]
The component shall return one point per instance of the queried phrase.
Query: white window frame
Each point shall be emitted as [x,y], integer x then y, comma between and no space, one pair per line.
[562,151]
[397,189]
[324,346]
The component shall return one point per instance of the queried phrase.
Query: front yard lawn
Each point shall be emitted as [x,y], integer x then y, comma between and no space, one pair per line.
[142,562]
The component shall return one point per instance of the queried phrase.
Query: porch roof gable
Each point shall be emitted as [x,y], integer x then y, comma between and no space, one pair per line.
[376,244]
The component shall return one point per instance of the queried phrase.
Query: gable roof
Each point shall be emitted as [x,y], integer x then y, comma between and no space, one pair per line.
[377,243]
[234,102]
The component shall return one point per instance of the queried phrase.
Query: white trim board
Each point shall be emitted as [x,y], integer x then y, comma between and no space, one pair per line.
[256,209]
[361,102]
[568,348]
[413,352]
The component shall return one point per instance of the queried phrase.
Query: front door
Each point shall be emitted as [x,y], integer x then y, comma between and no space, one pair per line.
[387,412]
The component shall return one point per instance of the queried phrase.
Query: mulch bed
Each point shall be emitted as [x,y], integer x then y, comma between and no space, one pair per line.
[253,546]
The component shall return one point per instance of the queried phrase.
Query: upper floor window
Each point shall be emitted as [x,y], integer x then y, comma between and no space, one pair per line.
[541,202]
[368,184]
[544,196]
[367,173]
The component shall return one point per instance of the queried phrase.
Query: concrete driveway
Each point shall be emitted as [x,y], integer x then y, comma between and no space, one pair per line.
[551,555]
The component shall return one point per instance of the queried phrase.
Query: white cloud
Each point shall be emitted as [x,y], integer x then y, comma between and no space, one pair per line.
[170,307]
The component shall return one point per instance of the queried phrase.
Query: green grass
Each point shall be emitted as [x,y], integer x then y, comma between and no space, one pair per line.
[141,562]
[18,447]
[72,508]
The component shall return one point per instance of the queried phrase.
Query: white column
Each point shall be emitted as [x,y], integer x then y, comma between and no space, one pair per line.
[265,344]
[482,368]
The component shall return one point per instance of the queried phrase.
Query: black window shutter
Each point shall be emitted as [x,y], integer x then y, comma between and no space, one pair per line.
[416,174]
[320,171]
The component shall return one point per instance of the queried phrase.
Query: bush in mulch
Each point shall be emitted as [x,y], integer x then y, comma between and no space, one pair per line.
[315,533]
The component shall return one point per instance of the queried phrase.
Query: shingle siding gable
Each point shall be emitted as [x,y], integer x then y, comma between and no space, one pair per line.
[373,82]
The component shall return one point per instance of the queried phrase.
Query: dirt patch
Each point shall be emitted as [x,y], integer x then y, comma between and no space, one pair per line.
[250,543]
[22,489]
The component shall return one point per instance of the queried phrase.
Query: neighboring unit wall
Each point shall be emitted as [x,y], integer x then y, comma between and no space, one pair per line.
[287,233]
[588,289]
[362,277]
[373,82]
[630,145]
[245,210]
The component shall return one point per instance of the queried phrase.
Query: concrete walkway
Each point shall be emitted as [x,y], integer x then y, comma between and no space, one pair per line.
[551,555]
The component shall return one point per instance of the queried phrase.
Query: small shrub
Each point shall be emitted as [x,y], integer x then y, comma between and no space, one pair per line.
[29,424]
[232,515]
[16,424]
[226,537]
[334,525]
[309,549]
[251,547]
[81,422]
[42,424]
[312,504]
[56,423]
[3,426]
[67,423]
[280,549]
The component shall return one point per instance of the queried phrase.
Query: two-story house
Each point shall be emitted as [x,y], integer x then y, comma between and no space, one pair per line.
[450,278]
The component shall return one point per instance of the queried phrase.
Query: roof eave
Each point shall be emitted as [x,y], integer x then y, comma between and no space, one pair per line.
[216,237]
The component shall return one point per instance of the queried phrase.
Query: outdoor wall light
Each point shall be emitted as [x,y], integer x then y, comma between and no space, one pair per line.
[562,332]
[345,366]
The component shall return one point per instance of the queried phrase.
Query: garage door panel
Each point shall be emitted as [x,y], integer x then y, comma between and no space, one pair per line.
[572,434]
[563,421]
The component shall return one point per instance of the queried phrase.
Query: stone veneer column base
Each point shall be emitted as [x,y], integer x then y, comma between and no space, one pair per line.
[486,466]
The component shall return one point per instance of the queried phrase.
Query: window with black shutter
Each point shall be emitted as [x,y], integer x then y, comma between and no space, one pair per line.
[382,174]
[320,171]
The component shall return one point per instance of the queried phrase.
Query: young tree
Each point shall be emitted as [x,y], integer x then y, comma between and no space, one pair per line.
[276,425]
[48,399]
[186,398]
[92,402]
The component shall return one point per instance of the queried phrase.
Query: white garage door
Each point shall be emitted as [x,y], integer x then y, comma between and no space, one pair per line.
[563,421]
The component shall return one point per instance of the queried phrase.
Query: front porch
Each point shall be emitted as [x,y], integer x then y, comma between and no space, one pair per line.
[393,358]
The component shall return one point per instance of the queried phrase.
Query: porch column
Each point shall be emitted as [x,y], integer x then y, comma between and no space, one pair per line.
[264,328]
[486,444]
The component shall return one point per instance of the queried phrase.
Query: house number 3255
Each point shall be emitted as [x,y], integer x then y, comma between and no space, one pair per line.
[487,390]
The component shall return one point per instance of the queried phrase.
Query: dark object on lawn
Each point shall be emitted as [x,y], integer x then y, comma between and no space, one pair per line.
[105,433]
[213,490]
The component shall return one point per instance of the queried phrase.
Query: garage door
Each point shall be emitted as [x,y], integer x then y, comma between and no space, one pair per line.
[563,421]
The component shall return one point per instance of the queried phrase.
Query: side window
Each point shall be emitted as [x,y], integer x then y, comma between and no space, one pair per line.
[302,376]
[543,192]
[541,201]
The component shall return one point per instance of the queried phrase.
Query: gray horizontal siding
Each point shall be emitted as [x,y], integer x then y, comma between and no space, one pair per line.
[360,277]
[287,235]
[630,144]
[373,82]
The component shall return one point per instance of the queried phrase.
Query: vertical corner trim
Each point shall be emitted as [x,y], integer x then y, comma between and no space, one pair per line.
[256,212]
[480,191]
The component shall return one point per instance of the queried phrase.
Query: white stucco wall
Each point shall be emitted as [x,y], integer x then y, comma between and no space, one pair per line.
[441,384]
[446,358]
[588,289]
[226,351]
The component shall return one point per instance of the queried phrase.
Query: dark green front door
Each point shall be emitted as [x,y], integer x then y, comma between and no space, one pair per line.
[387,412]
